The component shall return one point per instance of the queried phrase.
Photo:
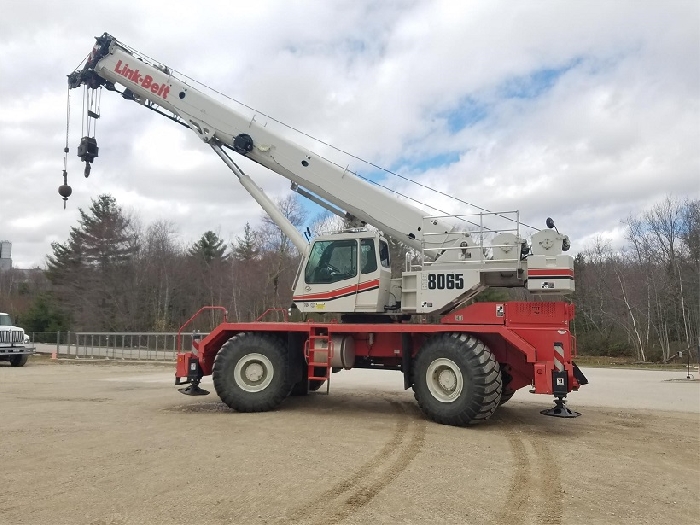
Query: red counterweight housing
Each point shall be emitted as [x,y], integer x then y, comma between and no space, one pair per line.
[531,341]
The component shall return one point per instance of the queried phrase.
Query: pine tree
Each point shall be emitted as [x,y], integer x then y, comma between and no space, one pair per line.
[44,315]
[208,248]
[101,239]
[93,266]
[246,247]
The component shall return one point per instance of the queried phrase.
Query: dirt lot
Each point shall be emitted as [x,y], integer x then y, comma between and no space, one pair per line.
[84,443]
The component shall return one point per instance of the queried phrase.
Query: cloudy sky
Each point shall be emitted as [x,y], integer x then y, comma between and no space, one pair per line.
[586,111]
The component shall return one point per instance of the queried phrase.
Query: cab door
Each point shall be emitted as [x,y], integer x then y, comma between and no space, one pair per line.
[374,276]
[330,280]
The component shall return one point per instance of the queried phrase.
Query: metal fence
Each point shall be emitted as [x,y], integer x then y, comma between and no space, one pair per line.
[146,346]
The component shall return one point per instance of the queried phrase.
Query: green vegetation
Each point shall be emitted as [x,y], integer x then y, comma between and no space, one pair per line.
[636,304]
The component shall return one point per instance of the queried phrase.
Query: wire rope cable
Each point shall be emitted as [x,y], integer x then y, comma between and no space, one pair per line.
[162,67]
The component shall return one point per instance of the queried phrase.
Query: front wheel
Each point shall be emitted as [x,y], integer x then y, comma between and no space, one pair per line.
[457,380]
[250,372]
[19,360]
[303,387]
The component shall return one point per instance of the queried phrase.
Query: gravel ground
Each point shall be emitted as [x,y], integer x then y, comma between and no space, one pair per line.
[114,444]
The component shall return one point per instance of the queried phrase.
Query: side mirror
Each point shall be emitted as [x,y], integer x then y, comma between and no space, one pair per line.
[550,223]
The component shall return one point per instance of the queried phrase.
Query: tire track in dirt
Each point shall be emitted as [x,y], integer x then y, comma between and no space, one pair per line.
[518,497]
[530,448]
[353,493]
[549,481]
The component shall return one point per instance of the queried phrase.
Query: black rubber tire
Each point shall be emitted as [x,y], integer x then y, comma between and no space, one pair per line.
[505,396]
[300,389]
[19,360]
[303,387]
[316,384]
[298,364]
[480,372]
[506,393]
[228,357]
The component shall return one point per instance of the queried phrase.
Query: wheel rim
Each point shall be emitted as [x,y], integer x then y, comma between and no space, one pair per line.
[444,380]
[254,372]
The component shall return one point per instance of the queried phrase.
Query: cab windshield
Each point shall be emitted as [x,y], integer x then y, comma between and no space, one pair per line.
[332,261]
[5,320]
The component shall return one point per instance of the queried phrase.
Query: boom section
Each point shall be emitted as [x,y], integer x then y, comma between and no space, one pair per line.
[154,84]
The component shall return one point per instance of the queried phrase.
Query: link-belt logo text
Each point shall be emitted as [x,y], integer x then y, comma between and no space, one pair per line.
[145,81]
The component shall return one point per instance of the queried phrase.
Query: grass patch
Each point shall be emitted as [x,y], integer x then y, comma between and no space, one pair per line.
[630,362]
[45,359]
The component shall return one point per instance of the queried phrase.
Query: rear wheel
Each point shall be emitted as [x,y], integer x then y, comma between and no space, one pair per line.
[506,379]
[250,372]
[315,384]
[19,360]
[457,380]
[505,396]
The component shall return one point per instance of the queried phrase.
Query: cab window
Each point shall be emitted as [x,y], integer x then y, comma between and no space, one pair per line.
[384,254]
[368,257]
[331,261]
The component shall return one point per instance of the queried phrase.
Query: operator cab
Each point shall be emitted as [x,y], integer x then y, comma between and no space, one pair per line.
[345,272]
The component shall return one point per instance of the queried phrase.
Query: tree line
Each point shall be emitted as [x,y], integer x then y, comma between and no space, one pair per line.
[114,274]
[643,300]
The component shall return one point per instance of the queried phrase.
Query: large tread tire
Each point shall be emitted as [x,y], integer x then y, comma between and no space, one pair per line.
[19,360]
[303,387]
[505,396]
[300,389]
[316,384]
[506,392]
[296,359]
[267,354]
[473,366]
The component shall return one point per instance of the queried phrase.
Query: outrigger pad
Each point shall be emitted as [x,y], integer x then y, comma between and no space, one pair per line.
[193,390]
[560,410]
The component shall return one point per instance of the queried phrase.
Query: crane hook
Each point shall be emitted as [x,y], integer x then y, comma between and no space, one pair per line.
[65,190]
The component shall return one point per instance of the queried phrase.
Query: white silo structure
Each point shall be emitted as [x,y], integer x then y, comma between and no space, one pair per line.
[5,255]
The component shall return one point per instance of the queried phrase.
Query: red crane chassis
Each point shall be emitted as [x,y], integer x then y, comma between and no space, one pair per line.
[531,343]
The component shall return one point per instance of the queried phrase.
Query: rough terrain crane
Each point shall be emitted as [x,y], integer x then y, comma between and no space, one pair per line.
[461,368]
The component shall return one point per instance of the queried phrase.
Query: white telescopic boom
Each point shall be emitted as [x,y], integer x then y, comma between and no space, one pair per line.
[211,120]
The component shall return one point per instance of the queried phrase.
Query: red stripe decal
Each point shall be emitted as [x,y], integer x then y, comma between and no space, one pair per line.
[547,272]
[355,288]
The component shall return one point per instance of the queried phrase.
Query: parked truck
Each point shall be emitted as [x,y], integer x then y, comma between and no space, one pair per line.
[461,368]
[15,345]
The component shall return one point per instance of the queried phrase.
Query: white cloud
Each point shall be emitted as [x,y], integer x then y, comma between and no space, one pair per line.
[615,129]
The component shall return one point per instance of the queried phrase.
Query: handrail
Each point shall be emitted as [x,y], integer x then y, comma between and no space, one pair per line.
[202,309]
[284,311]
[430,249]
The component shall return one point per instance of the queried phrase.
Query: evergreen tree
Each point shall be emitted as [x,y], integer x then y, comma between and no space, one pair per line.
[44,315]
[246,247]
[93,267]
[101,239]
[208,248]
